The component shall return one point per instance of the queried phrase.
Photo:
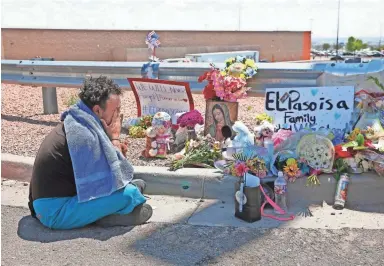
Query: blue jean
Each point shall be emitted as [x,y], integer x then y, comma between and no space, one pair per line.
[68,213]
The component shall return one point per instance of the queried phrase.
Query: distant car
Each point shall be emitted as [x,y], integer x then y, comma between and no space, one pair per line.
[353,60]
[337,58]
[377,55]
[347,53]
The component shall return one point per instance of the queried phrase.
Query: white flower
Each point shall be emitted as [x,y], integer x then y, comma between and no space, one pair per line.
[365,165]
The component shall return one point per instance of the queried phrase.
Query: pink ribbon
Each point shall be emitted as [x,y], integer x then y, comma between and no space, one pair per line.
[276,207]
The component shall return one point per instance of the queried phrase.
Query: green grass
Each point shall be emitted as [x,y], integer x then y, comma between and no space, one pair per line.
[72,100]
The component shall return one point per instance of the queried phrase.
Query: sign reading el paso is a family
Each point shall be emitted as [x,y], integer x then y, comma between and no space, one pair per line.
[154,95]
[310,107]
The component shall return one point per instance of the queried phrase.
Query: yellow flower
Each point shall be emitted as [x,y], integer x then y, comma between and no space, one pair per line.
[230,60]
[242,76]
[291,162]
[292,171]
[223,73]
[250,63]
[354,134]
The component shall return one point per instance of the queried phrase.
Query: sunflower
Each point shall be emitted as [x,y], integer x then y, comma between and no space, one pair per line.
[292,171]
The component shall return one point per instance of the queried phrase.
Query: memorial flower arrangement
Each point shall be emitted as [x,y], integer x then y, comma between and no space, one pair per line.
[244,164]
[240,66]
[292,168]
[138,130]
[230,83]
[190,119]
[202,152]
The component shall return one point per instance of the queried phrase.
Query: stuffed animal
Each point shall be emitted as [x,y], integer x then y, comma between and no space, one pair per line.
[263,131]
[158,136]
[243,136]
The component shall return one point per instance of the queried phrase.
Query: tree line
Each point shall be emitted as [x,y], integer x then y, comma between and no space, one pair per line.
[353,44]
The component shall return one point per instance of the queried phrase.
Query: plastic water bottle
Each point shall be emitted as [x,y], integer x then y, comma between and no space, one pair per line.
[281,191]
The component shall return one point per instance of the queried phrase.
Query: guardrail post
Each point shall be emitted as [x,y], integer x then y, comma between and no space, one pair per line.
[49,93]
[50,100]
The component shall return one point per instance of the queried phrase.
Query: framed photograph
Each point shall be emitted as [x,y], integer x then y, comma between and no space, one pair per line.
[219,114]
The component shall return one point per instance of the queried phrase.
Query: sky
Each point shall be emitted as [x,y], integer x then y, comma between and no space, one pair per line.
[359,18]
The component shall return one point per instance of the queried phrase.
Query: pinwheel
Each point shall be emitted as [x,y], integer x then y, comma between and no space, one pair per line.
[152,40]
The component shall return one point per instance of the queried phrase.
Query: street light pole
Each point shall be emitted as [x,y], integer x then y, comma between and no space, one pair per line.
[337,36]
[380,38]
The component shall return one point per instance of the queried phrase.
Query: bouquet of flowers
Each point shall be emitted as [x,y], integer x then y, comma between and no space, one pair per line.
[292,168]
[229,88]
[228,84]
[202,152]
[241,67]
[244,164]
[190,119]
[138,130]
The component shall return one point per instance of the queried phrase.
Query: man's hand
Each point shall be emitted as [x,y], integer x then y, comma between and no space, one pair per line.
[114,128]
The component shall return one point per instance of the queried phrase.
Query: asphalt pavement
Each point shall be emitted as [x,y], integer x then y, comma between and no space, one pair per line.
[25,242]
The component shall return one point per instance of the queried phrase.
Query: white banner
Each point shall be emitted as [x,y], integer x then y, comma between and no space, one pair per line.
[313,107]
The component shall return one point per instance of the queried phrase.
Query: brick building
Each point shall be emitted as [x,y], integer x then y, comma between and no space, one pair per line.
[99,30]
[90,45]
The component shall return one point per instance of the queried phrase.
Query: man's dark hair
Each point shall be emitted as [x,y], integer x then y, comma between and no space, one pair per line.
[96,91]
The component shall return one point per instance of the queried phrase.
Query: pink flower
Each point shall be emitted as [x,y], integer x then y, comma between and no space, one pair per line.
[190,119]
[241,168]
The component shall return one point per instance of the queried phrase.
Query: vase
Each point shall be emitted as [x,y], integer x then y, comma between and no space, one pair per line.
[219,114]
[191,134]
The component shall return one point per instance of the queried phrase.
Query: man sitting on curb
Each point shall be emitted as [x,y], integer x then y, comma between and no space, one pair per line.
[80,175]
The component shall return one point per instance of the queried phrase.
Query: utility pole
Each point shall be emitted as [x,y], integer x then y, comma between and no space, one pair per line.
[239,15]
[337,36]
[380,38]
[311,23]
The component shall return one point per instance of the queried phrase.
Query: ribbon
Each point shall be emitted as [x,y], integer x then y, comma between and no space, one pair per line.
[276,207]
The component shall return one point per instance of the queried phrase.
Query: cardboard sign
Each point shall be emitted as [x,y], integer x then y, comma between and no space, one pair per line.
[310,107]
[153,95]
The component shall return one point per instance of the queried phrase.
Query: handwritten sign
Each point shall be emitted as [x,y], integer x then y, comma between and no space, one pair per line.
[310,107]
[153,95]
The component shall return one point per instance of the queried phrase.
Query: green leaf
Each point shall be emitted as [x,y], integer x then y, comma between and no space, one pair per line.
[350,144]
[360,139]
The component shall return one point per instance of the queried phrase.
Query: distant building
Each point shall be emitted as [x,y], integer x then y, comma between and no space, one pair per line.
[99,30]
[97,45]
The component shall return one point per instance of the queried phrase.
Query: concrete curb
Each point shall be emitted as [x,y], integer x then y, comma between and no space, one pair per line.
[365,192]
[187,182]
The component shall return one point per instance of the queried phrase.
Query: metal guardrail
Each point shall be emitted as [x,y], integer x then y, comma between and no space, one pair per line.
[52,74]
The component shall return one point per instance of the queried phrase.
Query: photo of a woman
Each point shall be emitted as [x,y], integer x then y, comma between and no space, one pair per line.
[220,116]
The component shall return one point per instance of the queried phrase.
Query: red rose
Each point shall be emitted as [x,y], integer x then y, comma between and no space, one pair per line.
[340,153]
[209,91]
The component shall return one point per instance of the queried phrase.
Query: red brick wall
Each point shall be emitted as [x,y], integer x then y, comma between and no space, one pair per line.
[117,45]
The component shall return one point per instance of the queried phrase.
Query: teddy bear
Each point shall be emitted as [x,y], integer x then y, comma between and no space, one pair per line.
[158,136]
